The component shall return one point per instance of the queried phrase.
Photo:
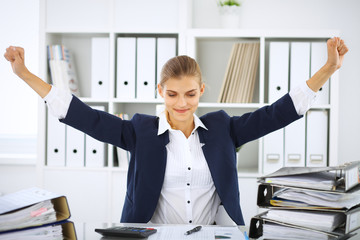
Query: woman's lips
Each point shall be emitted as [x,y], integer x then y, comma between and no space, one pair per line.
[181,110]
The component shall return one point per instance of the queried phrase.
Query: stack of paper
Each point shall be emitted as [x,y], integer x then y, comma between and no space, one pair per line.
[339,178]
[309,203]
[275,231]
[321,180]
[207,232]
[239,81]
[62,69]
[315,199]
[35,213]
[48,233]
[324,221]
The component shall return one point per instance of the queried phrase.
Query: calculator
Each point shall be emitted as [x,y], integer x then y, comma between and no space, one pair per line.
[130,232]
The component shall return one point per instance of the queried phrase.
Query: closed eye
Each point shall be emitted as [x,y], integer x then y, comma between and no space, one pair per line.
[192,93]
[171,94]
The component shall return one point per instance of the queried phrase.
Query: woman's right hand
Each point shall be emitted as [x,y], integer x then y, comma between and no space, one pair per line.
[15,55]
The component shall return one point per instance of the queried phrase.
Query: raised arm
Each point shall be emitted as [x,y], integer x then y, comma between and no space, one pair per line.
[336,49]
[15,55]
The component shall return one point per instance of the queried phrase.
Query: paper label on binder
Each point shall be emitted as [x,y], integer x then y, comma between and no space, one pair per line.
[272,157]
[352,177]
[353,221]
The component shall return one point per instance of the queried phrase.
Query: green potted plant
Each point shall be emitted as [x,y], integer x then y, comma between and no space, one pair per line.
[229,13]
[229,3]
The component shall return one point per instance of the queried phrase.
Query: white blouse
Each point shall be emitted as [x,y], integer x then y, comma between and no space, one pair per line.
[188,194]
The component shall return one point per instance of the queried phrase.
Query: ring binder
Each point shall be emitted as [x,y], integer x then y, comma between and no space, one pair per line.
[312,202]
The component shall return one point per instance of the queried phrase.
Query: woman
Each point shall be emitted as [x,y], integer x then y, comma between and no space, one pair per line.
[182,167]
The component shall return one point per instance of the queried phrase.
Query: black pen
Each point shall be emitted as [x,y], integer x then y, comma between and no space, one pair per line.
[196,229]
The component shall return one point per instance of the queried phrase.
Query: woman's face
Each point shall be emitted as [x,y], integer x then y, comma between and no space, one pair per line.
[181,97]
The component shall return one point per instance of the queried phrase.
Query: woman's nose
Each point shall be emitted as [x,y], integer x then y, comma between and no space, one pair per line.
[181,101]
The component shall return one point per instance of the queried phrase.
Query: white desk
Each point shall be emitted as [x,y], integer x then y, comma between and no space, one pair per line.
[86,231]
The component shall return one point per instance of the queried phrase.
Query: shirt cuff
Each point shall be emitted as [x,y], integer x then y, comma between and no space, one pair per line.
[58,102]
[50,95]
[303,98]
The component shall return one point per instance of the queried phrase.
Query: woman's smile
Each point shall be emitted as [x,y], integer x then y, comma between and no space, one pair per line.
[181,110]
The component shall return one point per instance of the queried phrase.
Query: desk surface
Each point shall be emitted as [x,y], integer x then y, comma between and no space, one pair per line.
[86,231]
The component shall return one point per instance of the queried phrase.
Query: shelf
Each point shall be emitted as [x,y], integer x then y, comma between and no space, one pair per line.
[221,33]
[68,168]
[249,173]
[201,104]
[117,169]
[244,173]
[229,105]
[19,159]
[268,33]
[321,107]
[145,31]
[156,101]
[93,100]
[77,31]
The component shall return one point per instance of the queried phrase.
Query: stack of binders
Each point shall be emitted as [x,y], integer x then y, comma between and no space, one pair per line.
[309,203]
[35,213]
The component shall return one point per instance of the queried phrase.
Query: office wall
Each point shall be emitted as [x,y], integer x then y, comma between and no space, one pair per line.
[309,14]
[16,177]
[19,26]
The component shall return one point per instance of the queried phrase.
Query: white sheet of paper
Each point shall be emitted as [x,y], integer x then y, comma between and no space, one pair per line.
[206,233]
[24,198]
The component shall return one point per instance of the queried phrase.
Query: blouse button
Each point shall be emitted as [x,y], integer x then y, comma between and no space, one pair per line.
[189,168]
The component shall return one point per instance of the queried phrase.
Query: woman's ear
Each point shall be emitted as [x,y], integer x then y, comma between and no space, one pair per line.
[160,90]
[202,89]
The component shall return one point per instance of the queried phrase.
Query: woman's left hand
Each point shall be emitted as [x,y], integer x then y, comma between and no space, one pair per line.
[336,49]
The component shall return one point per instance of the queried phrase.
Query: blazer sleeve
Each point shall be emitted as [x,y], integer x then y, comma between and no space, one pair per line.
[100,125]
[267,119]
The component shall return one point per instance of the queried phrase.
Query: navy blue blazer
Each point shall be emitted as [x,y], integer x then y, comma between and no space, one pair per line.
[148,152]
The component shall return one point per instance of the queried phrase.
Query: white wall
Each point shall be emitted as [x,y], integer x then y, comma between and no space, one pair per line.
[19,26]
[309,14]
[16,177]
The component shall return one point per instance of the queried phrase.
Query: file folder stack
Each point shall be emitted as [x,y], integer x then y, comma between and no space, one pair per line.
[309,203]
[35,213]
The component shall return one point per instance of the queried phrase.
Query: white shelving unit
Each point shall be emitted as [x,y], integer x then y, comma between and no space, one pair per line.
[219,41]
[97,194]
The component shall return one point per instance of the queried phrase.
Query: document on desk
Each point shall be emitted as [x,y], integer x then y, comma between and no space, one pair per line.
[24,198]
[206,233]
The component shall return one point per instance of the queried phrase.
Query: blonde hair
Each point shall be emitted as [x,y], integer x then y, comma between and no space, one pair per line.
[178,67]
